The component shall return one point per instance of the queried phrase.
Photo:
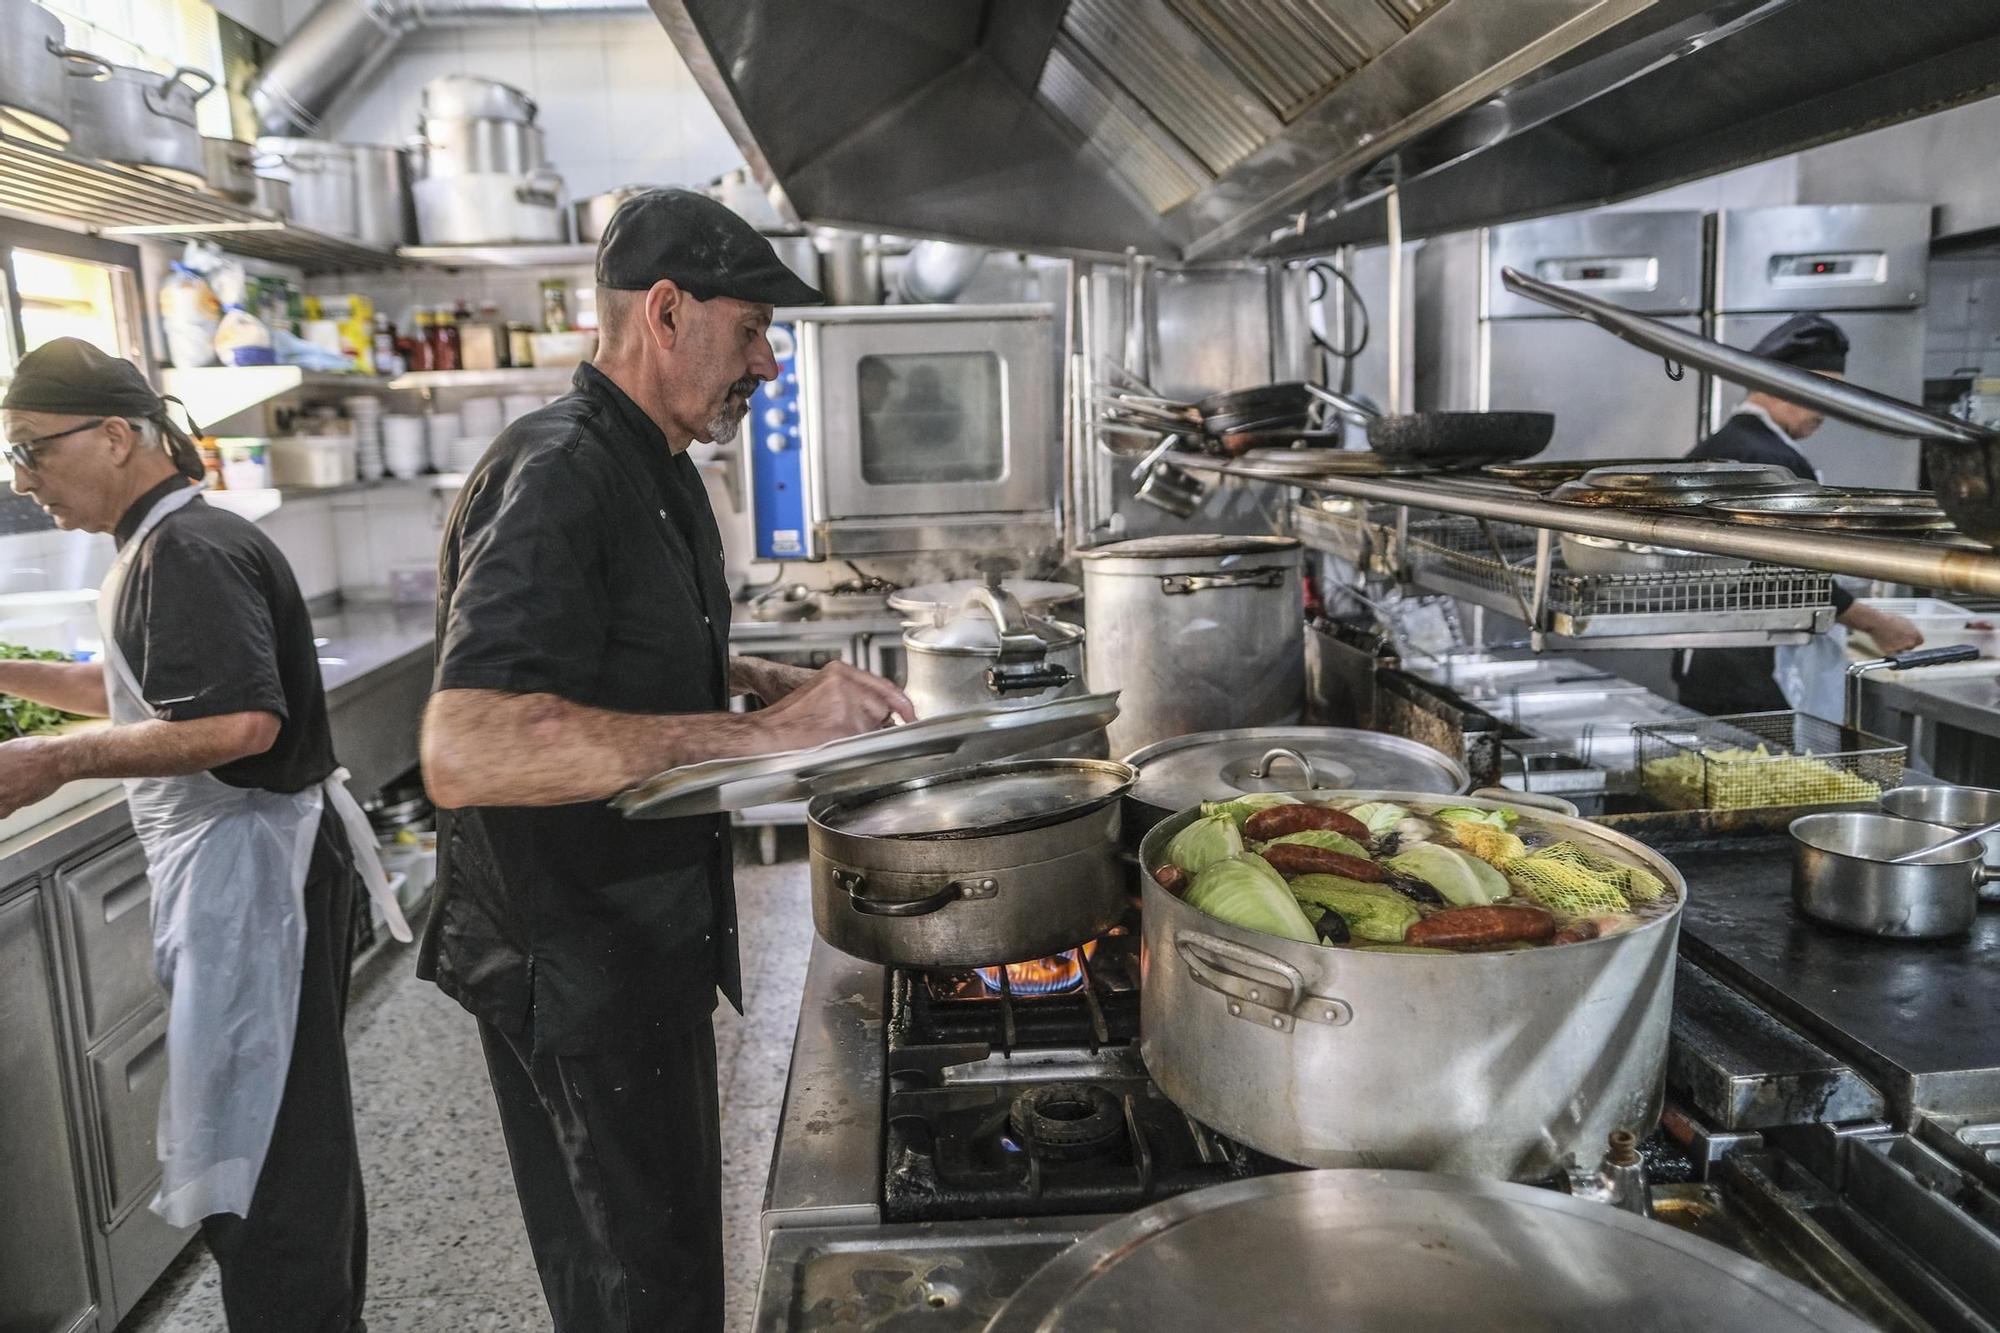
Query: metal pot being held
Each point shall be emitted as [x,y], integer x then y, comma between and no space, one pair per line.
[1508,1065]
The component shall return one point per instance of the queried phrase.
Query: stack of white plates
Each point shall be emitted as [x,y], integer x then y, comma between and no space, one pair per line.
[466,452]
[441,431]
[403,450]
[517,405]
[365,410]
[482,416]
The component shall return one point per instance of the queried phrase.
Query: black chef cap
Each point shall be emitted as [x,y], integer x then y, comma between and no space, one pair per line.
[1810,342]
[70,377]
[700,245]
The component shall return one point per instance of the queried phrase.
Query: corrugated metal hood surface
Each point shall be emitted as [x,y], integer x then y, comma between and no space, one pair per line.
[1216,128]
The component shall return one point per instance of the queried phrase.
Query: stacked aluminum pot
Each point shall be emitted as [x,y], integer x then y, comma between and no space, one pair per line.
[34,87]
[1196,633]
[138,118]
[479,167]
[1507,1065]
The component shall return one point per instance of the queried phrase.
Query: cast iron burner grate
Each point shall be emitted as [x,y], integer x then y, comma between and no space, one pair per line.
[987,1006]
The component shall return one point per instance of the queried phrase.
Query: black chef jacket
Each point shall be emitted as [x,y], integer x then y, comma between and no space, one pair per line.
[1738,680]
[211,622]
[582,560]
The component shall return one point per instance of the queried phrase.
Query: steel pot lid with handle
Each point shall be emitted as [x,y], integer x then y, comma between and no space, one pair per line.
[892,754]
[1144,555]
[973,634]
[934,601]
[1406,1251]
[1219,765]
[977,802]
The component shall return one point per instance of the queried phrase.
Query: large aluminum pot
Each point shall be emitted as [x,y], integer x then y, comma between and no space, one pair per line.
[996,864]
[467,96]
[593,215]
[383,216]
[1507,1065]
[491,209]
[137,118]
[1196,632]
[322,180]
[34,92]
[476,146]
[230,167]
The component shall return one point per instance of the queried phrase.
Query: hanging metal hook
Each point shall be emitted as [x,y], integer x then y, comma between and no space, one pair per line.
[1675,370]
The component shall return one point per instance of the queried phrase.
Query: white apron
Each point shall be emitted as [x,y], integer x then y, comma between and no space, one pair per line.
[228,866]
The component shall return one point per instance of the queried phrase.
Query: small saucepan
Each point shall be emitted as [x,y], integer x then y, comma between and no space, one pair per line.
[1961,808]
[1843,875]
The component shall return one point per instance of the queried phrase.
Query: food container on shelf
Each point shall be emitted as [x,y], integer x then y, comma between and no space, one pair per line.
[246,463]
[563,349]
[441,432]
[313,460]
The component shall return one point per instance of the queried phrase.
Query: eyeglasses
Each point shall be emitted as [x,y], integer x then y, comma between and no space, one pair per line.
[22,453]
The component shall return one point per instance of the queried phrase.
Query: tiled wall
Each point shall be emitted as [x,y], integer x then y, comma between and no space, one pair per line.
[618,105]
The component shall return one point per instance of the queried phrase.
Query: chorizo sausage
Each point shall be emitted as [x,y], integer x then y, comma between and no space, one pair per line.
[1578,931]
[1295,858]
[1467,927]
[1275,821]
[1171,878]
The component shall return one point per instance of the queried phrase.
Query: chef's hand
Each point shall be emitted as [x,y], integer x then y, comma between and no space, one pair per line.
[1891,633]
[30,769]
[769,681]
[838,701]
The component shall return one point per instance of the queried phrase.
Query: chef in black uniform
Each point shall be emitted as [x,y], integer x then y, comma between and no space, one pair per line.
[212,680]
[583,645]
[1769,429]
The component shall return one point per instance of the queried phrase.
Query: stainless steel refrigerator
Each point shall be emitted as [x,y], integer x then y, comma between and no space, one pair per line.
[1480,347]
[1861,265]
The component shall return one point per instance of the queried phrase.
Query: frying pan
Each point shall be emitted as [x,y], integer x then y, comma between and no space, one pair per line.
[1464,437]
[1963,459]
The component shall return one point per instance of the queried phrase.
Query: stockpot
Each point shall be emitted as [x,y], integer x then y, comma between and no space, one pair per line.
[1961,808]
[1196,632]
[991,652]
[34,92]
[998,863]
[320,177]
[593,215]
[1508,1065]
[383,216]
[138,118]
[1844,874]
[491,208]
[230,168]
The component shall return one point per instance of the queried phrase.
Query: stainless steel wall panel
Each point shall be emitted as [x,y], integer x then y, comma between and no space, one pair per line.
[1822,257]
[1666,245]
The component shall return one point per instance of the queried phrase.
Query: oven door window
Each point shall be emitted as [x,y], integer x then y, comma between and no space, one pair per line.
[932,417]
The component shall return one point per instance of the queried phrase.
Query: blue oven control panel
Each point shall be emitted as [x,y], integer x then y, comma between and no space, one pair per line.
[777,467]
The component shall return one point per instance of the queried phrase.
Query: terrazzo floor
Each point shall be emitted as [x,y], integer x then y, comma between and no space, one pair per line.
[447,1252]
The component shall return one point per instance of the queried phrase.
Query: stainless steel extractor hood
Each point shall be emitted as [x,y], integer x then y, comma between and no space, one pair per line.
[1198,129]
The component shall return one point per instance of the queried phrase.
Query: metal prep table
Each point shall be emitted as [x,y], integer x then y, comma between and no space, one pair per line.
[1948,716]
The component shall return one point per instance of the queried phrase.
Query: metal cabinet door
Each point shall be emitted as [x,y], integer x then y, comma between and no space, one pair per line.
[44,1260]
[128,1075]
[1611,400]
[109,901]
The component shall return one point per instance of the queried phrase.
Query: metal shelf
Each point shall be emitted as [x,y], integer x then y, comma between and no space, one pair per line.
[46,184]
[513,377]
[579,255]
[217,393]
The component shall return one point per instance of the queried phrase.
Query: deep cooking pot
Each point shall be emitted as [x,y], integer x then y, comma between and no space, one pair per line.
[990,652]
[1506,1065]
[1197,632]
[137,118]
[230,168]
[34,89]
[1844,874]
[383,216]
[491,208]
[593,215]
[319,179]
[1000,863]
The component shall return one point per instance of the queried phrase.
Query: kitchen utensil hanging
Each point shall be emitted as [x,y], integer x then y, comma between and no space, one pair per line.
[1462,438]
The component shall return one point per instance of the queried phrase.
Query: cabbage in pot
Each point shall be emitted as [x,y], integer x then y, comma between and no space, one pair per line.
[1244,891]
[1462,880]
[1379,816]
[1243,807]
[1323,838]
[1204,842]
[1372,911]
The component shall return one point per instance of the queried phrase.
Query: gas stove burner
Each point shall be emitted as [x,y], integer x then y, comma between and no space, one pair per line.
[1042,976]
[1065,1120]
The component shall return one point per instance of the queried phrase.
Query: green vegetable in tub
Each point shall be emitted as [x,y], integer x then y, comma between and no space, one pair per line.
[1246,892]
[1204,842]
[1380,816]
[1501,817]
[1372,911]
[1324,838]
[1462,880]
[1243,807]
[25,717]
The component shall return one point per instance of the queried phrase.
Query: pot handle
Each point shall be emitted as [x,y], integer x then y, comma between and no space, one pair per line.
[852,883]
[1987,879]
[1277,752]
[1180,585]
[82,63]
[1205,956]
[1536,800]
[156,96]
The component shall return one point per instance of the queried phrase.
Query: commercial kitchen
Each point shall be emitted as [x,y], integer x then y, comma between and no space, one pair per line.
[1255,435]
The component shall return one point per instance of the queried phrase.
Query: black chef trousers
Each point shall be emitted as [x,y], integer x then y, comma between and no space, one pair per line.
[1720,681]
[617,1159]
[298,1263]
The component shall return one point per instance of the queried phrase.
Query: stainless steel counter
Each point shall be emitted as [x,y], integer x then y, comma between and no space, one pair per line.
[376,663]
[358,642]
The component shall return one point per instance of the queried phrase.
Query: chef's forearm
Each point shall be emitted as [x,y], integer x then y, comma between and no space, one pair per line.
[159,749]
[74,687]
[769,681]
[488,747]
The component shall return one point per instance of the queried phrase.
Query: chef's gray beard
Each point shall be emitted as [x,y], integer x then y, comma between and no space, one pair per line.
[722,427]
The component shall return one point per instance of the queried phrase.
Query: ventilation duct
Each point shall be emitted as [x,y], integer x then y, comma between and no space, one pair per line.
[342,41]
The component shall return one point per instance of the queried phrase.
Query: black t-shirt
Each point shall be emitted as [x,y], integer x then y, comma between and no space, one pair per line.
[582,561]
[211,622]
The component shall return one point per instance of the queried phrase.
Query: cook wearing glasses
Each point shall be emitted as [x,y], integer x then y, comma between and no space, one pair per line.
[254,846]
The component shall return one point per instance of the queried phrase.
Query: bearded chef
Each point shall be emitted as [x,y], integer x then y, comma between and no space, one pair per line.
[254,846]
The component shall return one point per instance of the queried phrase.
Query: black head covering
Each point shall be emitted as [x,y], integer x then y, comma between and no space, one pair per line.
[700,245]
[1810,342]
[70,377]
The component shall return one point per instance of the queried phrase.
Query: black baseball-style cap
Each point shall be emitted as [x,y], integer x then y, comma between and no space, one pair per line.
[700,245]
[1810,342]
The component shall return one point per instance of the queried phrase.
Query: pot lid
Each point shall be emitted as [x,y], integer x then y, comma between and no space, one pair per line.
[978,802]
[1190,545]
[973,633]
[1404,1250]
[1217,765]
[934,601]
[893,754]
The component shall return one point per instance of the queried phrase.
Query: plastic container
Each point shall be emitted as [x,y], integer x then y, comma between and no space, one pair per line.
[313,460]
[562,349]
[189,316]
[242,340]
[1941,623]
[246,463]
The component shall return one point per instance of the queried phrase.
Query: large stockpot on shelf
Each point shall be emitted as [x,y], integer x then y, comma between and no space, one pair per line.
[1507,1065]
[138,118]
[34,88]
[1197,632]
[383,215]
[999,863]
[320,179]
[491,208]
[991,652]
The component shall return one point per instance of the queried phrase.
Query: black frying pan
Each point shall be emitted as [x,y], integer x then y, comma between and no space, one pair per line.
[1464,437]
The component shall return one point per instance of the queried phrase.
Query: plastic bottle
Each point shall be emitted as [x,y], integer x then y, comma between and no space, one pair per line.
[189,316]
[447,343]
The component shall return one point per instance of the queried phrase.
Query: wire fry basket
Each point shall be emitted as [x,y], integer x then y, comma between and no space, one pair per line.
[1749,761]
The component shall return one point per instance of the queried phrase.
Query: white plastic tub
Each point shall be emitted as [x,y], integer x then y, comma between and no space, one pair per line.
[313,460]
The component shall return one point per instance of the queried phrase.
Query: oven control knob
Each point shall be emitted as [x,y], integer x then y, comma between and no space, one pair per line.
[777,442]
[774,416]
